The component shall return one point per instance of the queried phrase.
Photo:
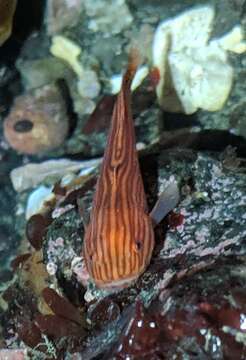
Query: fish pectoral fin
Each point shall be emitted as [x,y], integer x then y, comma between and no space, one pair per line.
[84,213]
[167,201]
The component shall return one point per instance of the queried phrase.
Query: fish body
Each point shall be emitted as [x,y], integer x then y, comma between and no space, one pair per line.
[119,238]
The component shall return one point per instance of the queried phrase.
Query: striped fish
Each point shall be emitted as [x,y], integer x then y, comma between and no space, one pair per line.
[119,238]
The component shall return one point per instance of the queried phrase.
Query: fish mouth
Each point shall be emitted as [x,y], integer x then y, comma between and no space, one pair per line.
[116,285]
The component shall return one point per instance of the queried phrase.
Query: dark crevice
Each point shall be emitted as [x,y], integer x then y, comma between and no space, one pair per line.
[72,116]
[28,18]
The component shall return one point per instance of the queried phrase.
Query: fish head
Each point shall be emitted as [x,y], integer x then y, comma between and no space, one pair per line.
[118,249]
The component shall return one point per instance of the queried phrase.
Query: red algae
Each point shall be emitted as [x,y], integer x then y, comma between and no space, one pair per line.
[141,337]
[60,306]
[29,333]
[175,220]
[105,311]
[19,261]
[99,120]
[36,228]
[223,316]
[57,327]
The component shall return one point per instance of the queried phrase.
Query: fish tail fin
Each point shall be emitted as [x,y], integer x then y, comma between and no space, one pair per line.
[134,60]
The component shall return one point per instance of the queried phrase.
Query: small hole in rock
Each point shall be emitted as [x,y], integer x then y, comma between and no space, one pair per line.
[23,126]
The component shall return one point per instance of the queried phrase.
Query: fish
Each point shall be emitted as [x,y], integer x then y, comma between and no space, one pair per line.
[119,238]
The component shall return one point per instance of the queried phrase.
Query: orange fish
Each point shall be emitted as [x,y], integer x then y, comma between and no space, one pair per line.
[119,238]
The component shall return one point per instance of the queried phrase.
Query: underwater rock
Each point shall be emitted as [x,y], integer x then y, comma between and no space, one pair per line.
[9,237]
[38,121]
[194,72]
[7,10]
[101,13]
[62,14]
[193,292]
[206,222]
[40,72]
[212,213]
[63,243]
[88,85]
[210,227]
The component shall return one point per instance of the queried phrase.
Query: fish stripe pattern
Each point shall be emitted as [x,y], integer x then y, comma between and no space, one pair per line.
[119,238]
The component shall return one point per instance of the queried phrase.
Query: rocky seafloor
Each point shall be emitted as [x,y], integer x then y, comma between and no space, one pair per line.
[190,303]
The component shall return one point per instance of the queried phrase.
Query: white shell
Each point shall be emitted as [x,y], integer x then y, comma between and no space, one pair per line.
[194,72]
[36,200]
[140,75]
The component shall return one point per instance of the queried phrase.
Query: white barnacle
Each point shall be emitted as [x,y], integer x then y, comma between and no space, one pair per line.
[51,268]
[37,199]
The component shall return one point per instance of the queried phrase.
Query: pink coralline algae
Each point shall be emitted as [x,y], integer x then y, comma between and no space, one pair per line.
[8,354]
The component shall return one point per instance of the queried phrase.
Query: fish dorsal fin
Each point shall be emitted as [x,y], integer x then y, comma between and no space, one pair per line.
[134,61]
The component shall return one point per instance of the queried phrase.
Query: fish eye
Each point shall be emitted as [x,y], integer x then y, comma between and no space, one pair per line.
[138,245]
[90,256]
